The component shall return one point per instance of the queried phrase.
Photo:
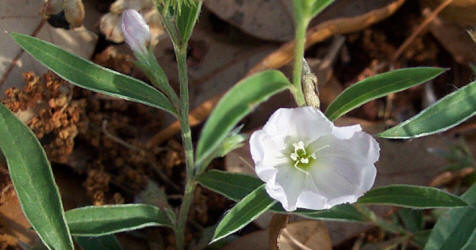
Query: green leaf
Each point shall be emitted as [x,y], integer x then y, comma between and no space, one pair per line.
[318,6]
[420,238]
[231,185]
[456,229]
[186,20]
[377,86]
[412,219]
[103,220]
[343,212]
[471,244]
[305,10]
[473,68]
[244,212]
[238,102]
[237,186]
[107,242]
[33,180]
[88,75]
[448,112]
[411,196]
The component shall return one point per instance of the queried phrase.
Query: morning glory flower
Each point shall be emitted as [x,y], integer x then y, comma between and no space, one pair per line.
[136,31]
[307,162]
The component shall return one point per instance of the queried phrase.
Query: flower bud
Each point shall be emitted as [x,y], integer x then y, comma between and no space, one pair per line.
[136,31]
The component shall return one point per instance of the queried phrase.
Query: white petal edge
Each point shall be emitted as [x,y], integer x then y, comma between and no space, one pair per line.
[266,161]
[304,123]
[346,132]
[309,198]
[293,181]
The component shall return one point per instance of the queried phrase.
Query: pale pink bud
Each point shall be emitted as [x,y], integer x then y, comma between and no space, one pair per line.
[136,31]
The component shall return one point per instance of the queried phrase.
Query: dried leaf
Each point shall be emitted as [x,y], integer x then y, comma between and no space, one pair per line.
[22,16]
[458,11]
[74,12]
[269,20]
[273,19]
[455,39]
[306,234]
[278,222]
[250,241]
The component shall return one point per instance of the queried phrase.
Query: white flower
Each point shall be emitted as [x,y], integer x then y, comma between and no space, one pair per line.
[135,30]
[307,162]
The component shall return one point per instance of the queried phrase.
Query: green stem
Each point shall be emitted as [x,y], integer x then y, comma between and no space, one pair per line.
[301,26]
[148,63]
[181,55]
[183,215]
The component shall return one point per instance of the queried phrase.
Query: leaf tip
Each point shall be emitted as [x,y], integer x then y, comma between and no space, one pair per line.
[15,35]
[462,202]
[216,238]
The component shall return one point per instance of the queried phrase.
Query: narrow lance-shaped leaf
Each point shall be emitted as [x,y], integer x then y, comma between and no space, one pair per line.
[237,186]
[244,212]
[236,104]
[420,238]
[456,228]
[107,242]
[343,212]
[187,18]
[33,180]
[377,86]
[103,220]
[88,75]
[411,196]
[412,219]
[319,5]
[231,185]
[448,112]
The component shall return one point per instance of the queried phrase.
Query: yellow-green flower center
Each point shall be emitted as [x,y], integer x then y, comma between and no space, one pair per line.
[301,158]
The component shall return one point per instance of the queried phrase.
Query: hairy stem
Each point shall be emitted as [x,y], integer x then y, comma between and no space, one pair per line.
[183,214]
[181,55]
[300,37]
[184,97]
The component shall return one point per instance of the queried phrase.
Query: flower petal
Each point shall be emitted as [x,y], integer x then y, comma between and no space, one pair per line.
[361,146]
[341,173]
[286,186]
[265,160]
[135,30]
[304,123]
[346,132]
[344,169]
[368,178]
[336,177]
[310,198]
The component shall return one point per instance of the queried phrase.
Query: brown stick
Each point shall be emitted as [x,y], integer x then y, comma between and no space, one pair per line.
[284,55]
[419,30]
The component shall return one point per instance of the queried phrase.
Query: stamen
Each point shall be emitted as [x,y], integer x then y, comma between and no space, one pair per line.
[299,145]
[300,157]
[294,156]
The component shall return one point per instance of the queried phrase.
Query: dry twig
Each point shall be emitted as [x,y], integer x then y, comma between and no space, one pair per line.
[419,30]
